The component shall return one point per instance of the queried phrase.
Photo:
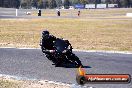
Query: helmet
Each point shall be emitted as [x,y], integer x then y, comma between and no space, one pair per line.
[45,33]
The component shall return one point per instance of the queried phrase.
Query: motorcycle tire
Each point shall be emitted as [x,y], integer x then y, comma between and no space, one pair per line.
[76,61]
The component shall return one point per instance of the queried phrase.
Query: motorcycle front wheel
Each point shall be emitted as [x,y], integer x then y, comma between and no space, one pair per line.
[75,60]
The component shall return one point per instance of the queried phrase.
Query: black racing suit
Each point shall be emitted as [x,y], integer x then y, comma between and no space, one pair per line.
[46,44]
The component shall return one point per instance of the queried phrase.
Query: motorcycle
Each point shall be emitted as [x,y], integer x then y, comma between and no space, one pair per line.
[63,52]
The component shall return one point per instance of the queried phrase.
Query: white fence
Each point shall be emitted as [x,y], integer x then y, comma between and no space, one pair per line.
[100,6]
[112,5]
[90,6]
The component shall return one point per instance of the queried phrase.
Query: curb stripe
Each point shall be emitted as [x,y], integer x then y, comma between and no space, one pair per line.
[101,51]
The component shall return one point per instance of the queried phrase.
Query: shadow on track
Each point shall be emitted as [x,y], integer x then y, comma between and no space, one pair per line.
[72,66]
[68,65]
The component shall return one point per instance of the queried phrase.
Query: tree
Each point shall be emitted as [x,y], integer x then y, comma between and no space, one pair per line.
[17,4]
[13,3]
[83,2]
[131,3]
[66,4]
[59,3]
[52,4]
[108,1]
[113,1]
[26,4]
[40,4]
[34,3]
[45,4]
[23,4]
[119,3]
[73,2]
[90,1]
[127,3]
[97,1]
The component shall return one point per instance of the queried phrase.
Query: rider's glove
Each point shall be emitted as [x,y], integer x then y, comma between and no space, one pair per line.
[51,51]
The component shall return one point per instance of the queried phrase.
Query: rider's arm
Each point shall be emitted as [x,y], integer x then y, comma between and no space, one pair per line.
[69,44]
[40,42]
[53,37]
[48,51]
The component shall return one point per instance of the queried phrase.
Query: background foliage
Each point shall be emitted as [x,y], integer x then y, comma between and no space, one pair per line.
[57,3]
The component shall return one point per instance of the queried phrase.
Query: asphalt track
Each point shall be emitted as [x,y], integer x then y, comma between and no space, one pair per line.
[32,64]
[10,13]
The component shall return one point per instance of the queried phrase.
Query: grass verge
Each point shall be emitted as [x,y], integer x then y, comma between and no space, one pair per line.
[113,33]
[13,83]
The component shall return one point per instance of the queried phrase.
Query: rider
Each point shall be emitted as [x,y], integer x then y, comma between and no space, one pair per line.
[47,43]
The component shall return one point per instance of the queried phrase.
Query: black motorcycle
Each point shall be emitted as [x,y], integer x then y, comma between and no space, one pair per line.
[63,52]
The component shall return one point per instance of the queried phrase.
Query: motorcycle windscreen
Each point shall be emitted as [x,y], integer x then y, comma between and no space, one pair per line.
[60,45]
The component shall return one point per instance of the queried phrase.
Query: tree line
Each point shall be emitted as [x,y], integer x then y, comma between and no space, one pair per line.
[39,4]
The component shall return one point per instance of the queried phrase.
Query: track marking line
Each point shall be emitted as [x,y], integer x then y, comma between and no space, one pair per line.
[97,51]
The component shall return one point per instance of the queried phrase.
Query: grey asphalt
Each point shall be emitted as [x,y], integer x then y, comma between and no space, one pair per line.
[32,64]
[10,13]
